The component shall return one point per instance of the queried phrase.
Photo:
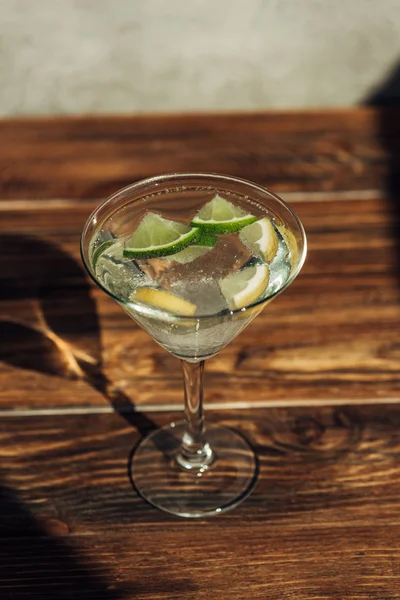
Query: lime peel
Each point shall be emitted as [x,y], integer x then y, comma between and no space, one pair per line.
[221,216]
[206,239]
[156,236]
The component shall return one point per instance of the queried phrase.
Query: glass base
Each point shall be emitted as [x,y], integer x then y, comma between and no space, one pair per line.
[196,492]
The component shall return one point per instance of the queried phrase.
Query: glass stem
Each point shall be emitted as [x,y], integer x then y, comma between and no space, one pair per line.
[195,452]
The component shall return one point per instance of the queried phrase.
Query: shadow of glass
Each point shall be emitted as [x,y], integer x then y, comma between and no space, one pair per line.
[41,565]
[51,324]
[386,99]
[38,563]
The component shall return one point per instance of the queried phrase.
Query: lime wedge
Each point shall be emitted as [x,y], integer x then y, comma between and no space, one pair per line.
[244,287]
[261,238]
[203,244]
[206,239]
[164,300]
[221,216]
[156,236]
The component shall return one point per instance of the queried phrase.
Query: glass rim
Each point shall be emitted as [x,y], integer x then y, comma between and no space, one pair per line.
[156,179]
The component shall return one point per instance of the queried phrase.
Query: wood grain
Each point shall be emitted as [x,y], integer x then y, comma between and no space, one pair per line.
[332,337]
[323,521]
[338,465]
[328,490]
[236,563]
[91,157]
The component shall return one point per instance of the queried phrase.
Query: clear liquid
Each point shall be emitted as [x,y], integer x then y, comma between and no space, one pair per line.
[195,281]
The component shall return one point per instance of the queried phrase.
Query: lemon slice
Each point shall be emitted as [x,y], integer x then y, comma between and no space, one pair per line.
[261,238]
[156,236]
[164,300]
[244,287]
[221,216]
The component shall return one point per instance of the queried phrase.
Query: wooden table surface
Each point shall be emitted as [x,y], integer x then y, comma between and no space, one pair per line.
[313,382]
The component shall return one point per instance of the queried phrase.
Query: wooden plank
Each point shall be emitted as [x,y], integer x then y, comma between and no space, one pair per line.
[322,523]
[332,337]
[91,157]
[186,563]
[335,467]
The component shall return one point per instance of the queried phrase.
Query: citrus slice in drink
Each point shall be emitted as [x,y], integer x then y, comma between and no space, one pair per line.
[164,300]
[206,239]
[261,238]
[244,287]
[156,236]
[221,216]
[202,245]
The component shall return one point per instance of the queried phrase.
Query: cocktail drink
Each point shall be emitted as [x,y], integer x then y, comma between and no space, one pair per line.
[193,258]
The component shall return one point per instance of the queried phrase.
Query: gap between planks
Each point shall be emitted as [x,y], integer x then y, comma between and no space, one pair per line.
[60,203]
[176,407]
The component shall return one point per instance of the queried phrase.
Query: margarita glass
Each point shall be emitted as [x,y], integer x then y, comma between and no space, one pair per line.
[193,258]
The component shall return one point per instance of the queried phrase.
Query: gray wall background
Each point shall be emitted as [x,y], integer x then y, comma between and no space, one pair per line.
[113,56]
